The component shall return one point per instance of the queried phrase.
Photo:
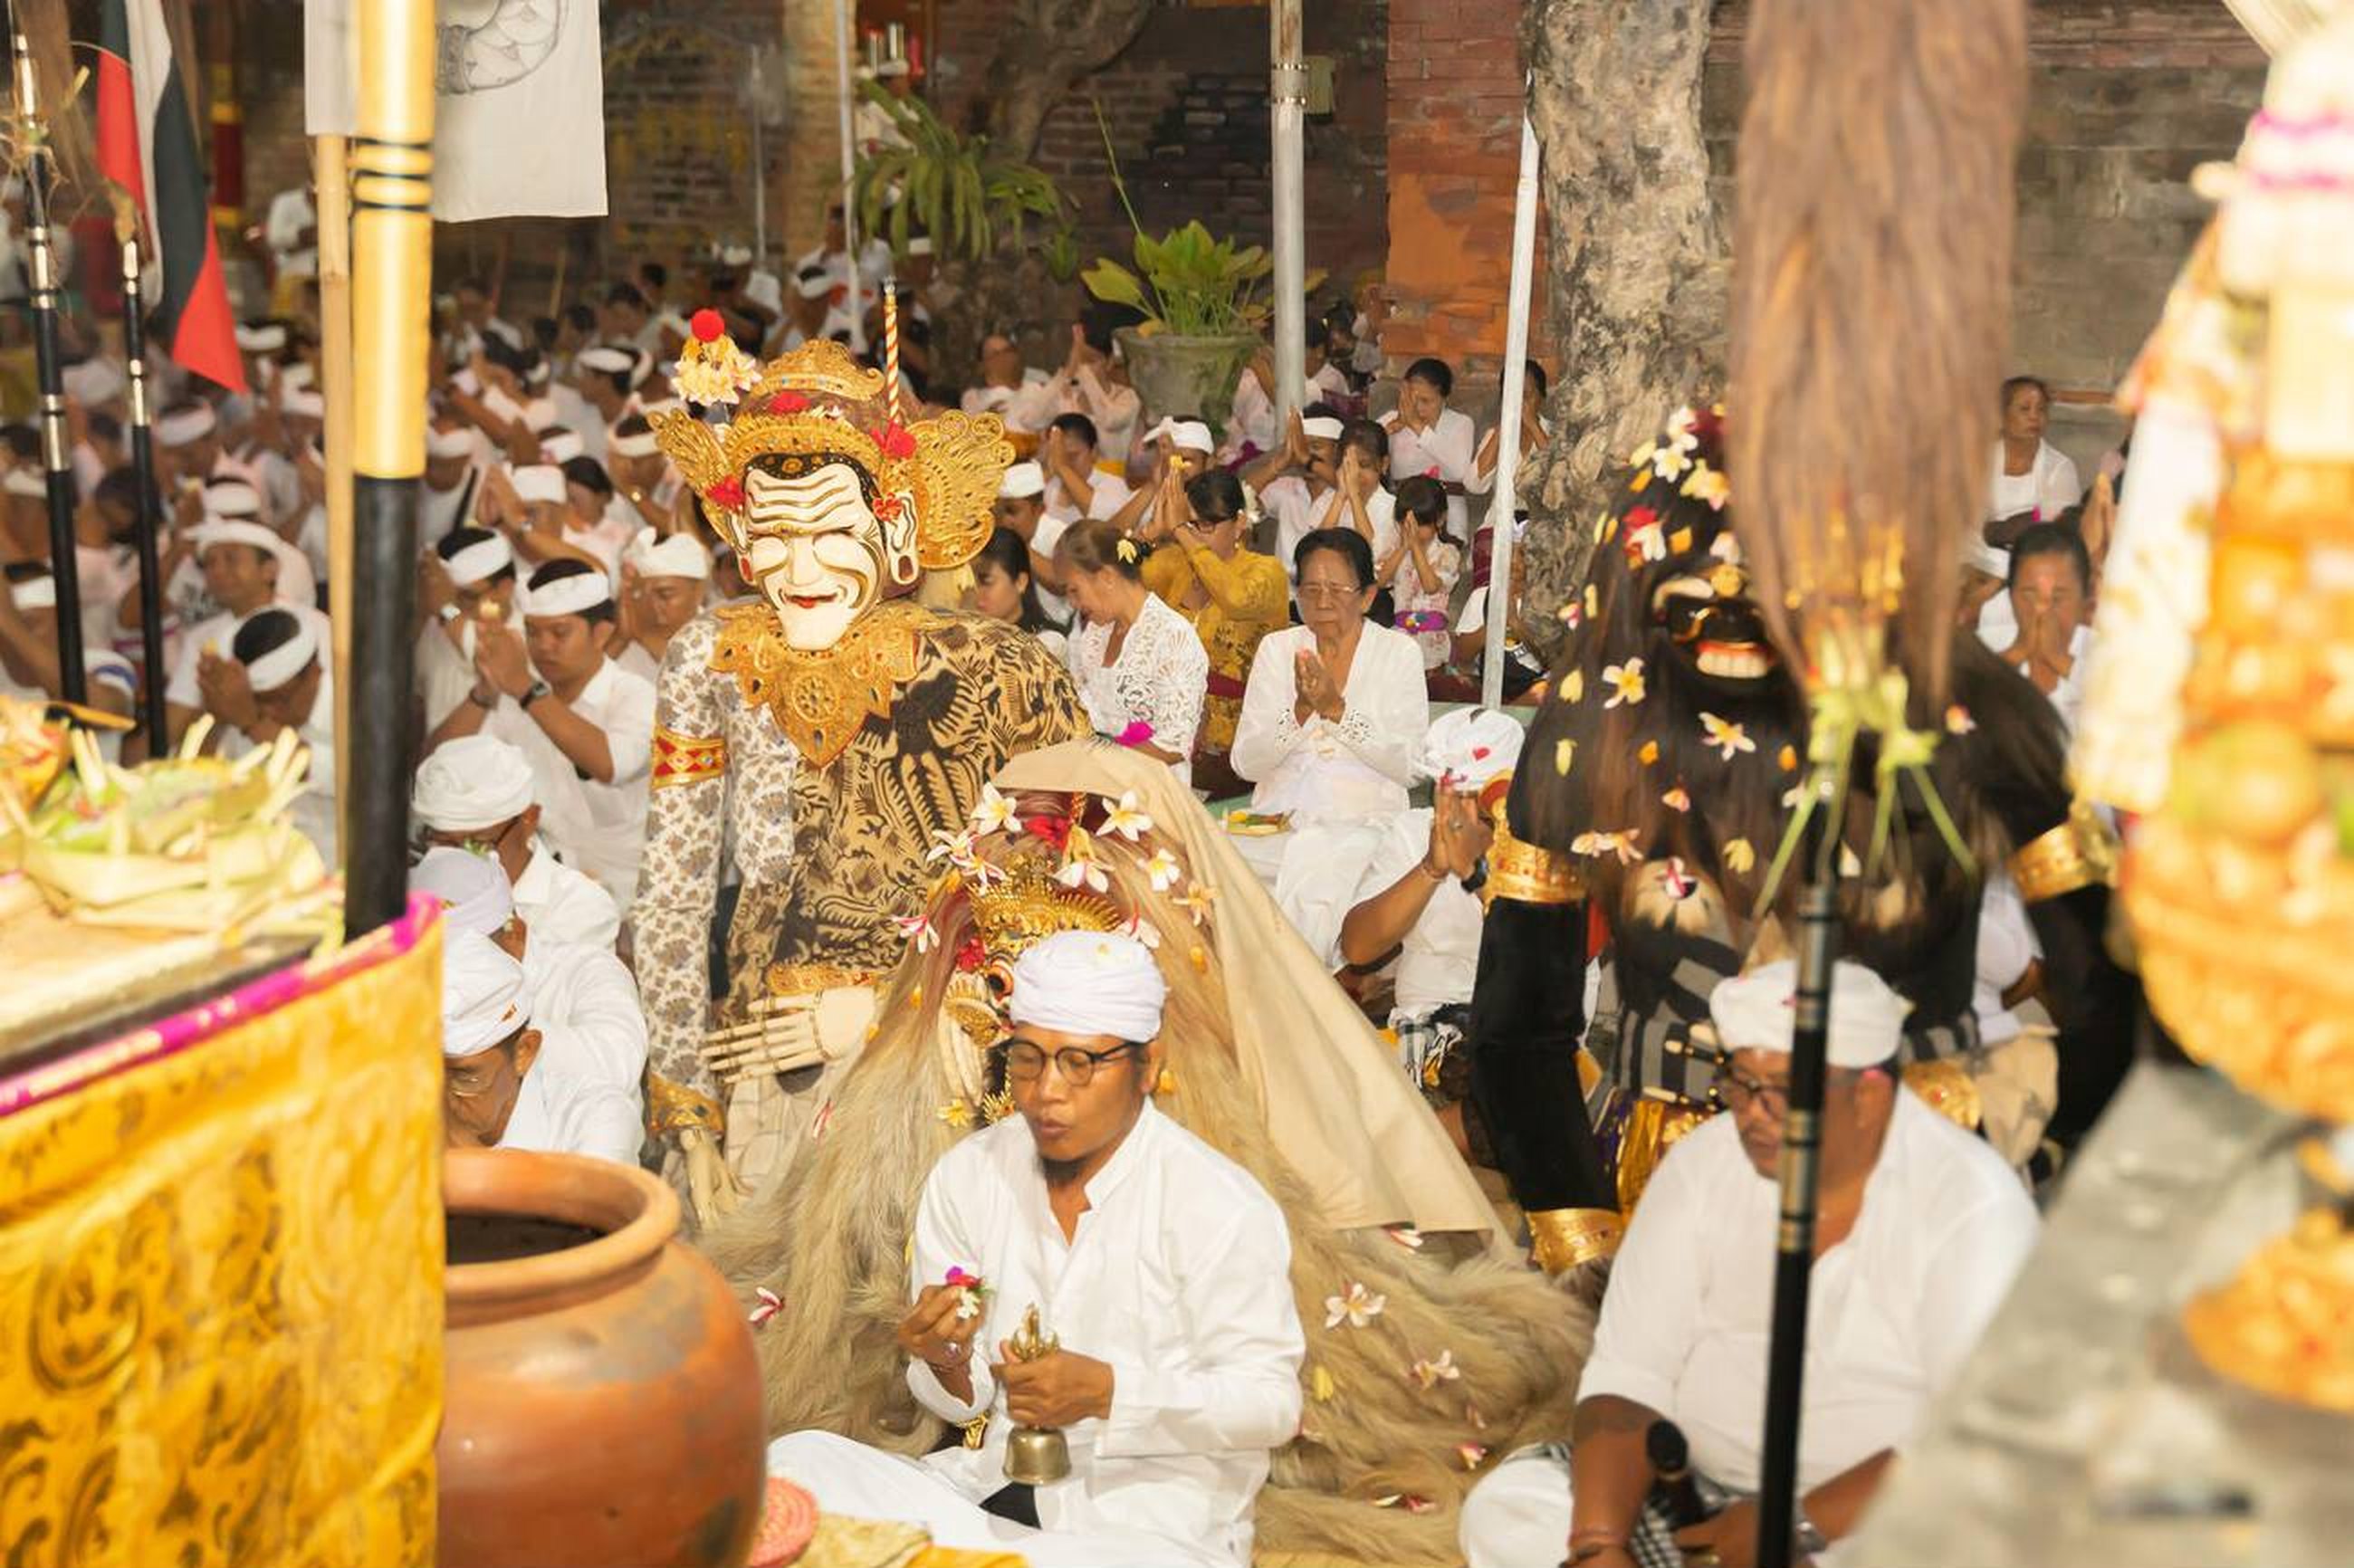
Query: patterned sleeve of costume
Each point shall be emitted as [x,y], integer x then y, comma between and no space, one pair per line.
[1042,705]
[678,885]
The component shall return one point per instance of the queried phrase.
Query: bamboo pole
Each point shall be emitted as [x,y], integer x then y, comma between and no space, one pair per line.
[1502,514]
[1288,108]
[392,282]
[332,185]
[40,169]
[146,525]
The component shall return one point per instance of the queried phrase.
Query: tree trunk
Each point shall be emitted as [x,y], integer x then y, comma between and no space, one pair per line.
[811,175]
[1637,264]
[1046,47]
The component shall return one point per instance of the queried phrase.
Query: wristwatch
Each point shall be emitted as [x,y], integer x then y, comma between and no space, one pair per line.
[532,693]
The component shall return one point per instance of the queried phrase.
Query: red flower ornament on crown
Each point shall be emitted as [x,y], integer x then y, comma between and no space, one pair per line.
[788,403]
[707,325]
[895,440]
[727,492]
[1055,831]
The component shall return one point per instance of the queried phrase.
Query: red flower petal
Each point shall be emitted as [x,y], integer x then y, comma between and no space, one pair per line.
[896,442]
[1641,517]
[728,493]
[706,325]
[788,403]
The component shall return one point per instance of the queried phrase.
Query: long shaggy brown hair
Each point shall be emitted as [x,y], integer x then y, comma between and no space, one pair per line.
[829,1239]
[1870,305]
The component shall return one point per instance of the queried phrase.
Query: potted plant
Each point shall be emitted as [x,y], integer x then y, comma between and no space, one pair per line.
[961,190]
[1203,304]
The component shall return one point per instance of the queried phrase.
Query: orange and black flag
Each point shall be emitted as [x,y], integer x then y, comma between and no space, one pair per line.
[147,144]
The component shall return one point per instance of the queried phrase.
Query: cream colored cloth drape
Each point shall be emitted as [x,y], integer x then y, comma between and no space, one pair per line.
[1336,1104]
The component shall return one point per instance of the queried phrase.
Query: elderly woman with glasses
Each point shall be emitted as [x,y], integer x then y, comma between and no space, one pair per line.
[1335,710]
[1233,596]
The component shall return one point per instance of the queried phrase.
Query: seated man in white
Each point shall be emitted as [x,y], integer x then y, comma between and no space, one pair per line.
[583,1001]
[495,1091]
[1920,1229]
[477,793]
[1162,1268]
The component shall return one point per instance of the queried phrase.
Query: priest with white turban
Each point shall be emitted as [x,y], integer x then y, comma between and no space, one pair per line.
[1920,1229]
[582,1001]
[1162,1269]
[496,1091]
[476,793]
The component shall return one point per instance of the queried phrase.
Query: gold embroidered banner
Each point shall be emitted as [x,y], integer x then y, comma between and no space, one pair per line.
[220,1278]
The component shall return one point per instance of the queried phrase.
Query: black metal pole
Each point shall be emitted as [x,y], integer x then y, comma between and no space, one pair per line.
[142,470]
[384,606]
[73,676]
[1786,1360]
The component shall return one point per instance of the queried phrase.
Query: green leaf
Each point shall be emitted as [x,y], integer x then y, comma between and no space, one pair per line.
[1108,280]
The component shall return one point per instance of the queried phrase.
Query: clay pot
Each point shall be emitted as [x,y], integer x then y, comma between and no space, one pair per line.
[602,1405]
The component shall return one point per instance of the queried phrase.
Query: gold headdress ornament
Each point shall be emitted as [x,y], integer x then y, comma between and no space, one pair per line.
[1024,906]
[818,399]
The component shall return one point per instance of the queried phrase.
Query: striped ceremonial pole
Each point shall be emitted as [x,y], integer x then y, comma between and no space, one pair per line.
[891,347]
[392,277]
[73,676]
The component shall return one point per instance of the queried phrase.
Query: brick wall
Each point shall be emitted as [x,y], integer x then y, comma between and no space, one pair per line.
[1456,84]
[2124,99]
[1186,106]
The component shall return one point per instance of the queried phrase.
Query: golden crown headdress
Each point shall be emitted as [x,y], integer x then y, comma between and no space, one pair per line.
[1026,905]
[819,400]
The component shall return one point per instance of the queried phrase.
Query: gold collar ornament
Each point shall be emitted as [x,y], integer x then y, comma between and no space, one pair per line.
[820,699]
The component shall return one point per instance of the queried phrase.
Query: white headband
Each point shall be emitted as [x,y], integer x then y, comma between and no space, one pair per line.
[303,403]
[1757,1012]
[35,593]
[574,595]
[501,405]
[473,889]
[187,426]
[237,531]
[672,322]
[287,661]
[231,499]
[606,361]
[33,483]
[1090,982]
[642,444]
[642,365]
[559,445]
[816,286]
[267,339]
[295,375]
[1322,427]
[481,994]
[473,782]
[445,444]
[94,381]
[1022,480]
[1186,433]
[483,559]
[539,481]
[680,556]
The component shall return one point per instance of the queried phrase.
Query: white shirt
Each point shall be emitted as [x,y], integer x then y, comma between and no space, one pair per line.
[1159,678]
[1178,1274]
[1298,514]
[562,905]
[597,827]
[1254,423]
[1358,768]
[1998,629]
[558,1113]
[1444,452]
[585,1001]
[1440,956]
[313,812]
[1033,398]
[290,213]
[2049,487]
[442,672]
[1895,1308]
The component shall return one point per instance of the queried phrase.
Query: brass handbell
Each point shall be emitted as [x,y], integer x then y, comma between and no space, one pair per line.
[1034,1455]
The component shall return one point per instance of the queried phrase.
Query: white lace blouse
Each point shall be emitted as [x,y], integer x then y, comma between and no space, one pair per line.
[1159,679]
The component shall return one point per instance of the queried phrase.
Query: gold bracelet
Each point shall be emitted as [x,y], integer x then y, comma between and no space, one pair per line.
[1522,871]
[2079,853]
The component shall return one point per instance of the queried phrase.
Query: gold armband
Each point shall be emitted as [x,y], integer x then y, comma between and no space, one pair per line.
[1947,1086]
[1521,871]
[686,759]
[2079,853]
[1561,1239]
[672,1108]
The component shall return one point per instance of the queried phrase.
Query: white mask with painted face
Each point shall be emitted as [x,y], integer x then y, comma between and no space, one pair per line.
[820,554]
